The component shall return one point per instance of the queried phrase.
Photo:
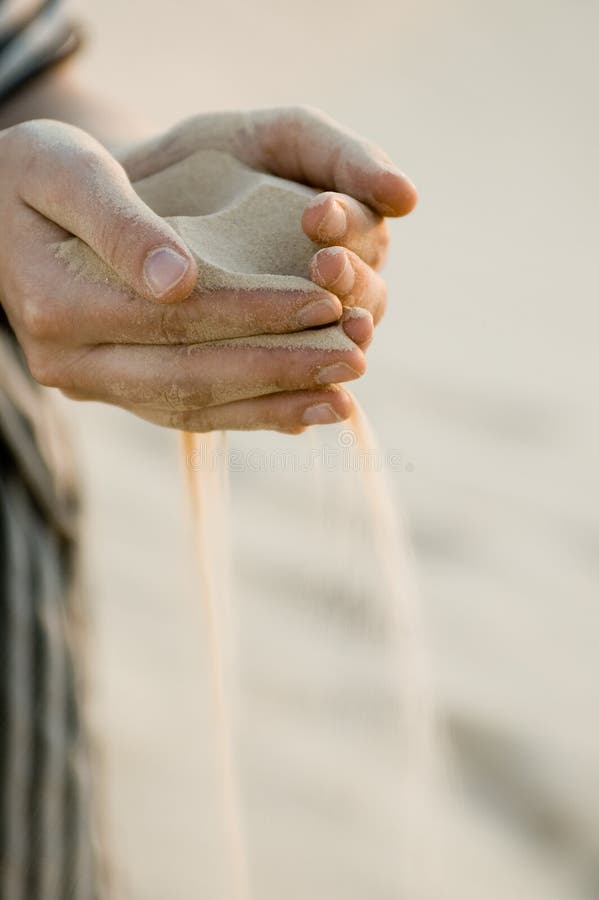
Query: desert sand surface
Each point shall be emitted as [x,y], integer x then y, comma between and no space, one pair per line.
[482,382]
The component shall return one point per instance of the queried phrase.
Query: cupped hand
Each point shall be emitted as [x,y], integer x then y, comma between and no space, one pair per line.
[361,186]
[153,343]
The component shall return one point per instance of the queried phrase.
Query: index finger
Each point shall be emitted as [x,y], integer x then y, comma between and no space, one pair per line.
[87,308]
[304,144]
[298,143]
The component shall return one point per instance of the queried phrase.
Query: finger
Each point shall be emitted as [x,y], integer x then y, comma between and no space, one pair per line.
[358,325]
[207,131]
[289,412]
[97,313]
[78,185]
[204,317]
[200,375]
[337,220]
[298,143]
[304,144]
[77,311]
[346,275]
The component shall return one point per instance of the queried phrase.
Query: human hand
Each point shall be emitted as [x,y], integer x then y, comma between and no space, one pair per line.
[361,186]
[131,343]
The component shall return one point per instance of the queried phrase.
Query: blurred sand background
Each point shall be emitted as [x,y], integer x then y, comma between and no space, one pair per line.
[483,375]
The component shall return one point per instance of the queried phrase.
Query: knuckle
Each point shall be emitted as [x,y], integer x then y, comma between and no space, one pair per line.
[189,420]
[296,120]
[89,156]
[381,308]
[192,387]
[171,323]
[384,235]
[69,149]
[38,317]
[381,248]
[25,135]
[286,371]
[378,258]
[304,112]
[174,398]
[180,421]
[42,365]
[36,129]
[185,393]
[14,140]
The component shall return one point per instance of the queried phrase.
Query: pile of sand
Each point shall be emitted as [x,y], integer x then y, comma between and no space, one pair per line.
[243,228]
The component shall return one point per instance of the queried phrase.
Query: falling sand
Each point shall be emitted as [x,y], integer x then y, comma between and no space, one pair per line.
[244,230]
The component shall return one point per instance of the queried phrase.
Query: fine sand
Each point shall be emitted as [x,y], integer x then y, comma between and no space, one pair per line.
[243,228]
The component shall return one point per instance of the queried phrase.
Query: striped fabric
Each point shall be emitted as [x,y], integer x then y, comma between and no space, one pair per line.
[44,827]
[47,842]
[33,35]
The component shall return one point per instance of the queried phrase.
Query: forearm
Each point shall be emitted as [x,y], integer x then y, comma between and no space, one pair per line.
[60,94]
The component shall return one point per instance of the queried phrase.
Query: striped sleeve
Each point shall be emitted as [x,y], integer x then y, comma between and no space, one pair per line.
[34,34]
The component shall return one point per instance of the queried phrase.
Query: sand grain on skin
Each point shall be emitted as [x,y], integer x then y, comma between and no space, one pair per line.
[243,229]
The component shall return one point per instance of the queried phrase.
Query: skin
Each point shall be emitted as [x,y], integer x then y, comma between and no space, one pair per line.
[139,348]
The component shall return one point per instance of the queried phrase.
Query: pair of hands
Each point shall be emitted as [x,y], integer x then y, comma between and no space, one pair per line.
[132,346]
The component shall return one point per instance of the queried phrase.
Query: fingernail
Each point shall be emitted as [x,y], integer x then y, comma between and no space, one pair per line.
[163,269]
[334,224]
[344,281]
[358,326]
[320,414]
[356,312]
[318,312]
[336,373]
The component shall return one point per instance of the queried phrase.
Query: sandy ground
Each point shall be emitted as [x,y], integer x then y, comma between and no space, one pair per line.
[483,377]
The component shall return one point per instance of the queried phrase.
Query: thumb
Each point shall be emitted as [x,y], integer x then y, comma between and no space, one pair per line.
[74,181]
